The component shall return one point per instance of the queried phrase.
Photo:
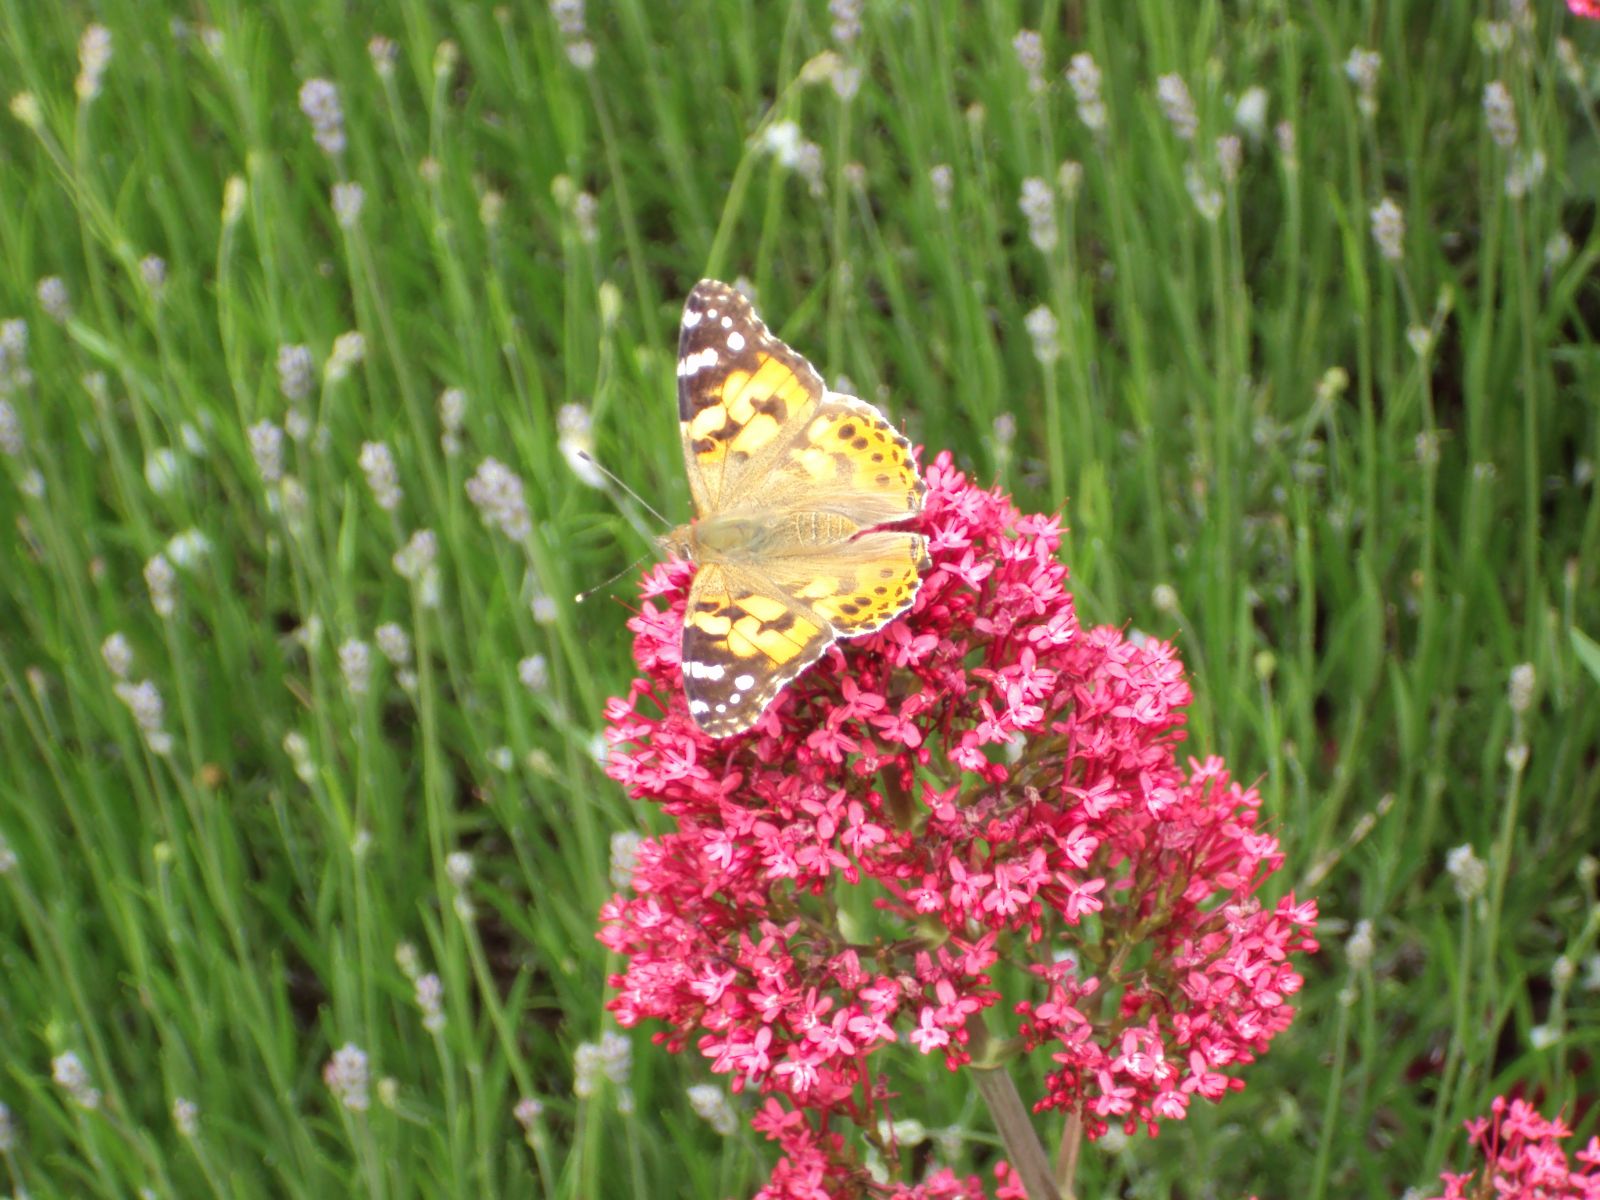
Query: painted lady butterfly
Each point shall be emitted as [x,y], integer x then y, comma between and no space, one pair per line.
[791,483]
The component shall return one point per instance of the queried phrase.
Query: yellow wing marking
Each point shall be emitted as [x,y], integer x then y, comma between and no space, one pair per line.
[772,378]
[762,608]
[869,454]
[747,413]
[713,623]
[781,645]
[861,586]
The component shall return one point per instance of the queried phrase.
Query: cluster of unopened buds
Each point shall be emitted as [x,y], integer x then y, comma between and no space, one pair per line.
[970,834]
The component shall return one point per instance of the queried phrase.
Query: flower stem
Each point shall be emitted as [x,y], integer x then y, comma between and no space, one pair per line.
[1023,1148]
[1067,1157]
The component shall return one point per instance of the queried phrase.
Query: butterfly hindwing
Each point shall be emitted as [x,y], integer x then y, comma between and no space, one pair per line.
[851,461]
[862,585]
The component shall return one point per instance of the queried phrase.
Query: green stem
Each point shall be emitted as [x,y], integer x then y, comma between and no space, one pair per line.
[1024,1151]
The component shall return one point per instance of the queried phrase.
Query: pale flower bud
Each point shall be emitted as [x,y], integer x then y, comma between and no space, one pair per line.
[1519,691]
[1469,871]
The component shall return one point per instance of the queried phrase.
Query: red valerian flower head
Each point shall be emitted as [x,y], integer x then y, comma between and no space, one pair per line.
[1523,1156]
[982,779]
[1585,8]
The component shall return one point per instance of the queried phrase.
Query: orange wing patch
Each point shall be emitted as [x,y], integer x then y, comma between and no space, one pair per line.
[745,412]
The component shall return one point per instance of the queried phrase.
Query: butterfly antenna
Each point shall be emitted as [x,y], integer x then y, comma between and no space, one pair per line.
[584,595]
[643,503]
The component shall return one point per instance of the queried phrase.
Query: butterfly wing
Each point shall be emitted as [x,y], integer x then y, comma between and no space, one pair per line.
[848,460]
[857,587]
[743,396]
[749,631]
[743,641]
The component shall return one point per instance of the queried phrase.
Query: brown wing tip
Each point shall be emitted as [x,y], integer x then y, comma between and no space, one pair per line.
[724,729]
[709,291]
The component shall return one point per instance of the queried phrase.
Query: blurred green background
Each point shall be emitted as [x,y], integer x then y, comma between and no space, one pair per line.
[299,724]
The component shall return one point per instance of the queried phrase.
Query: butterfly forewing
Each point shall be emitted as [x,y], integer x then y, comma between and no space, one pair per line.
[743,641]
[741,394]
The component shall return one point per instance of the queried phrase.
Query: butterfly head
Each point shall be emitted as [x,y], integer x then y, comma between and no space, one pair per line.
[678,543]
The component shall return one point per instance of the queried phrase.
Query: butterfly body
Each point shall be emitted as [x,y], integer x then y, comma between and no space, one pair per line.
[792,485]
[758,535]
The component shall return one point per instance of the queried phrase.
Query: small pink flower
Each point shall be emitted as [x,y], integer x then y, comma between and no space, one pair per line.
[928,1036]
[1585,8]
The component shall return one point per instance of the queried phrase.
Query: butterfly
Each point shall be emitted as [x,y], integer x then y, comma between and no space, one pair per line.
[791,483]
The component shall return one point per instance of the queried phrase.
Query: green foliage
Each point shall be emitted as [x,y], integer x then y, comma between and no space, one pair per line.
[1357,491]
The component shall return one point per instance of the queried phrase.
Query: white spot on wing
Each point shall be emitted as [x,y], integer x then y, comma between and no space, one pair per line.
[700,670]
[699,706]
[745,682]
[736,341]
[691,364]
[734,699]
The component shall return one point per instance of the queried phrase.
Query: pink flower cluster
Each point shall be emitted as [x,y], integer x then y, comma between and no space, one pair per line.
[983,782]
[1585,8]
[1524,1159]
